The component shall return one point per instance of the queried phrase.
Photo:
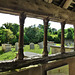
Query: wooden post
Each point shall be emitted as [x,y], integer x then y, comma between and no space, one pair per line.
[45,52]
[62,37]
[74,37]
[21,36]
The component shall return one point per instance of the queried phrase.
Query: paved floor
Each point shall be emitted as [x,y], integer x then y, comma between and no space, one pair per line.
[32,55]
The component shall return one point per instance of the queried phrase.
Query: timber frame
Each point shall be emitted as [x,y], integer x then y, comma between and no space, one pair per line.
[38,9]
[42,10]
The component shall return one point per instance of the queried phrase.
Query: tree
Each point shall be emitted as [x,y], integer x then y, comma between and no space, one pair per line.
[39,35]
[40,26]
[30,32]
[6,35]
[59,33]
[69,33]
[13,27]
[26,39]
[54,31]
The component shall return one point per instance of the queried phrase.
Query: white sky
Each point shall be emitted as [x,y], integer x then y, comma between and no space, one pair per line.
[4,18]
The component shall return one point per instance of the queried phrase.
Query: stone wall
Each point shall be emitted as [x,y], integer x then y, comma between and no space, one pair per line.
[57,49]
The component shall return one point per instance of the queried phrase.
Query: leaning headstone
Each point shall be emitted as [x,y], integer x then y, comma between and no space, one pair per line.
[48,48]
[16,46]
[72,44]
[40,45]
[31,45]
[6,47]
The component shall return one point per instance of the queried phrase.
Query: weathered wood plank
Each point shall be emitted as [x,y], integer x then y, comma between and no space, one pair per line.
[5,66]
[31,7]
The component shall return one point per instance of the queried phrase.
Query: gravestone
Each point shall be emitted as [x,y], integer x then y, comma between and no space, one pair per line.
[48,48]
[40,45]
[49,43]
[16,46]
[31,45]
[6,47]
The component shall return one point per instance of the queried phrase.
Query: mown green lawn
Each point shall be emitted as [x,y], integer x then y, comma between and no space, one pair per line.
[12,54]
[7,55]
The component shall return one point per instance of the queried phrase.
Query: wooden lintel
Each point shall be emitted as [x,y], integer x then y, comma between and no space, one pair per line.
[38,8]
[5,66]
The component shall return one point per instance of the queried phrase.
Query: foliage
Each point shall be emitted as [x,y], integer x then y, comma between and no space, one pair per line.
[6,35]
[10,33]
[13,27]
[39,35]
[30,32]
[26,39]
[57,39]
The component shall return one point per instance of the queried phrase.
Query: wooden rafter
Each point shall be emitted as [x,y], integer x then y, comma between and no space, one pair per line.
[62,3]
[49,1]
[73,2]
[67,4]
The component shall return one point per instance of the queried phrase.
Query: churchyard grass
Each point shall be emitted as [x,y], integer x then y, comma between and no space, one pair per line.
[7,55]
[35,50]
[12,54]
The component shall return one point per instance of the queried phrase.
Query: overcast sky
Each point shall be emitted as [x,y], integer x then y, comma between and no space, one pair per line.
[4,18]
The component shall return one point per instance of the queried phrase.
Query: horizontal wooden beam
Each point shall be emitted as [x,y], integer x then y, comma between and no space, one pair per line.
[5,66]
[37,9]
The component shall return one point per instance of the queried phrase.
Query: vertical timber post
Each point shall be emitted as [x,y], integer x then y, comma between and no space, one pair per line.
[74,37]
[21,36]
[45,52]
[62,37]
